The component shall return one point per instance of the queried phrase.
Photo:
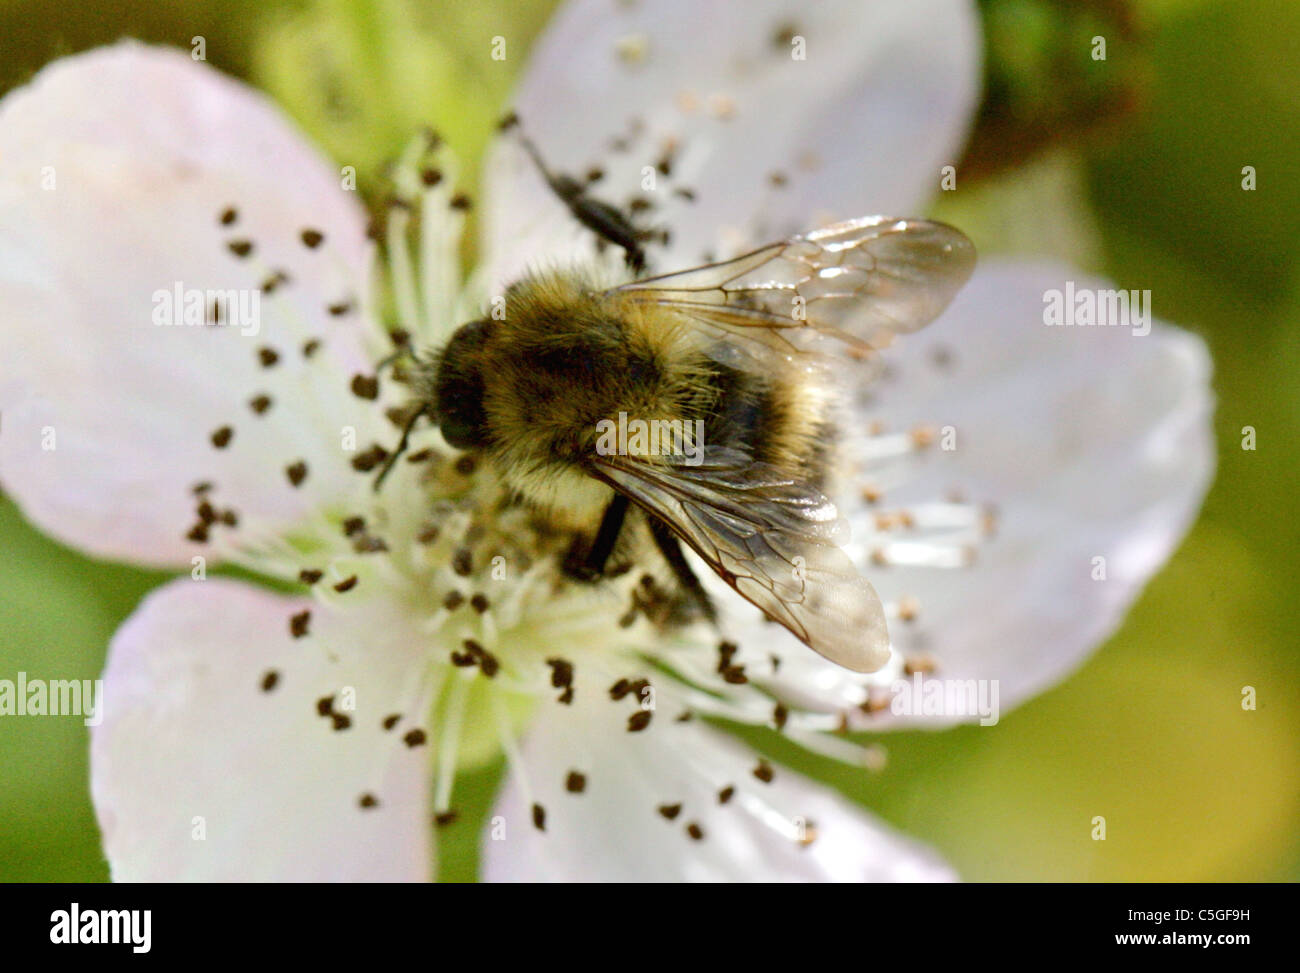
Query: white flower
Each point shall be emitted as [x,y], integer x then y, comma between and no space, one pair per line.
[251,734]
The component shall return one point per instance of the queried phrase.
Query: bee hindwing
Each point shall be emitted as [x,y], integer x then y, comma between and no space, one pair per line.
[770,537]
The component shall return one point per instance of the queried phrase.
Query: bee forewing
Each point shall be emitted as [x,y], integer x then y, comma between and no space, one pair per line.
[861,281]
[837,612]
[888,274]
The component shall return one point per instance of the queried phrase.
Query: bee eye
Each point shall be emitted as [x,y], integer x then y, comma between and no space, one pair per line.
[462,423]
[458,390]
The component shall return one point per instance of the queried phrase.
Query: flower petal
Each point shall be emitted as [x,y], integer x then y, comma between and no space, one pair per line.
[190,732]
[643,793]
[119,166]
[1088,442]
[862,124]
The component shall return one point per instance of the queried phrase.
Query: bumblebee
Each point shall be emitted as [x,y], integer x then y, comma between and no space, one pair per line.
[746,352]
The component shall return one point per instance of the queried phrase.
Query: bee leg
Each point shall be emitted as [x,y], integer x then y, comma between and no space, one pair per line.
[592,565]
[401,448]
[671,548]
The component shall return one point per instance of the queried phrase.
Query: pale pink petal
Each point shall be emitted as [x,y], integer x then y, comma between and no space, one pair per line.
[617,828]
[193,744]
[118,164]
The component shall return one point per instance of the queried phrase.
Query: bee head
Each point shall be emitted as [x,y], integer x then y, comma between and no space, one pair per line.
[457,392]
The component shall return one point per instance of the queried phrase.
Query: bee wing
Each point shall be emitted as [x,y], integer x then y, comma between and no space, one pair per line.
[770,537]
[861,282]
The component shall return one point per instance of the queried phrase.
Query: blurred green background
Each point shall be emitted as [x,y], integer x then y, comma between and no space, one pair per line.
[1133,170]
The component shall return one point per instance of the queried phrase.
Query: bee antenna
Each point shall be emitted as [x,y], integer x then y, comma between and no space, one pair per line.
[565,187]
[531,149]
[401,446]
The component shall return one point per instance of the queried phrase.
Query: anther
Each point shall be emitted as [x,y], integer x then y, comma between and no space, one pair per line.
[735,675]
[365,544]
[462,562]
[365,387]
[908,608]
[561,672]
[919,664]
[779,715]
[368,460]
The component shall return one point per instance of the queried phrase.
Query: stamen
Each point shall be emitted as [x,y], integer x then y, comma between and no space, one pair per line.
[449,742]
[514,759]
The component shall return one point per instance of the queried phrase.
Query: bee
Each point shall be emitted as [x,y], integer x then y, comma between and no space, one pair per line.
[744,350]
